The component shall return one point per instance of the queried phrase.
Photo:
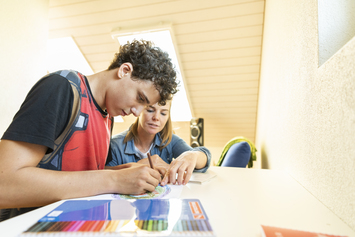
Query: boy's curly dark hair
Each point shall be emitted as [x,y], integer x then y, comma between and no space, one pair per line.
[149,63]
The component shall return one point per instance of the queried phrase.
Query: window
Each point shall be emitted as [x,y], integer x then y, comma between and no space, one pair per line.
[336,26]
[162,37]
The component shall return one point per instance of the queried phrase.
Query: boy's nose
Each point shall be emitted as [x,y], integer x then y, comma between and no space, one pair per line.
[137,111]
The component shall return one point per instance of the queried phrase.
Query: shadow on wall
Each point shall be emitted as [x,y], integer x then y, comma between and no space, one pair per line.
[264,158]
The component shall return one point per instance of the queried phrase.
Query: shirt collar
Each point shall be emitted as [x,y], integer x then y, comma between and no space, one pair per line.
[130,144]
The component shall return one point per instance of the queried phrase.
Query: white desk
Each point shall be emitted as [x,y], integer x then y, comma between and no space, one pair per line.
[237,201]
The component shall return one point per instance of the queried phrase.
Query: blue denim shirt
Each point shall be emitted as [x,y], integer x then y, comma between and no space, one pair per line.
[125,152]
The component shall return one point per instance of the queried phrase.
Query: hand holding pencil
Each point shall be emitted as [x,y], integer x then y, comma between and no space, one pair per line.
[162,169]
[165,173]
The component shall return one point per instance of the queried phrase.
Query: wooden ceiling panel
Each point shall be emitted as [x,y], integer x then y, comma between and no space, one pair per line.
[222,71]
[223,86]
[221,63]
[221,99]
[219,35]
[100,48]
[220,44]
[66,8]
[221,54]
[229,104]
[219,24]
[100,57]
[223,78]
[222,109]
[228,118]
[94,39]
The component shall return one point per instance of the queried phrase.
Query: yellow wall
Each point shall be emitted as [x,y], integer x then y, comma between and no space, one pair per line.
[23,38]
[306,114]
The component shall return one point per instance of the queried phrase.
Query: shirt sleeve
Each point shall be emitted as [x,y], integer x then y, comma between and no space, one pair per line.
[208,155]
[44,114]
[117,155]
[114,155]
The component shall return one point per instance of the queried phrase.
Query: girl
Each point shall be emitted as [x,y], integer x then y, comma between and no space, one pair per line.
[152,133]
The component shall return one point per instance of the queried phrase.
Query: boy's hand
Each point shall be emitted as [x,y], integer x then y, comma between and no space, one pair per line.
[137,179]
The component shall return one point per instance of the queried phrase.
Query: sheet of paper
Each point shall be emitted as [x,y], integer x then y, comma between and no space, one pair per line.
[171,191]
[202,177]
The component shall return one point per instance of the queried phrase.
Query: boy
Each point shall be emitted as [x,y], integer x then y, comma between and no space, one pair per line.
[64,125]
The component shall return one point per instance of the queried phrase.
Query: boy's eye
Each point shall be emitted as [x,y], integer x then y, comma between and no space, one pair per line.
[150,110]
[140,98]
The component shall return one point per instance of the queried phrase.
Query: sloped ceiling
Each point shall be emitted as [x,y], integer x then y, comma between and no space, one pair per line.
[219,44]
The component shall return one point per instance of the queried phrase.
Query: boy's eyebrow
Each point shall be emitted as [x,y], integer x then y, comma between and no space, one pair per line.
[146,98]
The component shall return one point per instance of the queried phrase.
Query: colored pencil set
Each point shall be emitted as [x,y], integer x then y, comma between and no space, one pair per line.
[184,227]
[155,217]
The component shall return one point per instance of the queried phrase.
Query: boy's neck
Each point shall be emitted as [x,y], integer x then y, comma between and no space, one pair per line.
[98,83]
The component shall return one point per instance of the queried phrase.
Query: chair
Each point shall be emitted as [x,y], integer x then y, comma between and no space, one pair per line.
[238,152]
[238,155]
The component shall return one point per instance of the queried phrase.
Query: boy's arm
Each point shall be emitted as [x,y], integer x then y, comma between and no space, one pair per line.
[23,184]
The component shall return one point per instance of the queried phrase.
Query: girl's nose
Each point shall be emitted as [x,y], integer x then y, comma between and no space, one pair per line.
[155,116]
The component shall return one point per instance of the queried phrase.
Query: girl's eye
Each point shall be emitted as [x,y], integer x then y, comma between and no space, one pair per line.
[163,114]
[141,98]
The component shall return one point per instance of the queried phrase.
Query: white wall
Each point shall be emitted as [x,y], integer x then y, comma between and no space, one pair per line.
[23,37]
[306,114]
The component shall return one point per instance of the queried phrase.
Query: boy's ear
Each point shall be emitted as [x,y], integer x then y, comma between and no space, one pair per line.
[124,70]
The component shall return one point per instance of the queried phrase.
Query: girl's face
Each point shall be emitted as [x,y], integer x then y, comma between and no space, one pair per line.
[154,117]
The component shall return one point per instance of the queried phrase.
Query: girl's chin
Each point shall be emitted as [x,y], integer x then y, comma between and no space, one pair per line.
[152,131]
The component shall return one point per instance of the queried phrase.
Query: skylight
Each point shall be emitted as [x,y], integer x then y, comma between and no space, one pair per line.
[162,38]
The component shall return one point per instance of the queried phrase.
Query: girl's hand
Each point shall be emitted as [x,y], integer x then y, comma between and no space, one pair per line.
[181,168]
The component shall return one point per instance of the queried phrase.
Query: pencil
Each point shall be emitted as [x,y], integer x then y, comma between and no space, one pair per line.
[150,161]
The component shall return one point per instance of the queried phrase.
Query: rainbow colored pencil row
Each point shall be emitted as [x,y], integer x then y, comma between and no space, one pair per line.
[193,225]
[184,227]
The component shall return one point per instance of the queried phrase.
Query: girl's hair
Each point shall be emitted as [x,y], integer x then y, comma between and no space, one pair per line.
[166,133]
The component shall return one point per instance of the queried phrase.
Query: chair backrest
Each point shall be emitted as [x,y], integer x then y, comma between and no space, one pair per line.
[238,155]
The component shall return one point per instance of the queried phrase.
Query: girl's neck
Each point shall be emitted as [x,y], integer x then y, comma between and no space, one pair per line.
[144,140]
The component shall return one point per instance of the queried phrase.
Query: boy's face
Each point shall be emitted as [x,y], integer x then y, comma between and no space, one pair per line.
[129,96]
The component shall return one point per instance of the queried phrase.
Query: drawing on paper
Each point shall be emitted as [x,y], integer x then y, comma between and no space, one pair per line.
[159,192]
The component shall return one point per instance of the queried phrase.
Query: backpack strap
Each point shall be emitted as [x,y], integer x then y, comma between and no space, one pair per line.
[74,81]
[74,112]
